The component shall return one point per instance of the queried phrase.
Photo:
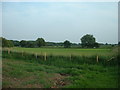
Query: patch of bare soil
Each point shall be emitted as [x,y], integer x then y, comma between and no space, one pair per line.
[59,81]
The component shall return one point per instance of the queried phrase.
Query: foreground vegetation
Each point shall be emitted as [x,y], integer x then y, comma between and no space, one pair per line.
[25,74]
[27,71]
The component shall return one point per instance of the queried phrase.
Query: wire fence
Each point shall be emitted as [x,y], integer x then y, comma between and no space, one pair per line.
[44,58]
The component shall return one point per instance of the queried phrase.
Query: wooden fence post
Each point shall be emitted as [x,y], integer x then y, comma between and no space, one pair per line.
[97,59]
[45,56]
[8,51]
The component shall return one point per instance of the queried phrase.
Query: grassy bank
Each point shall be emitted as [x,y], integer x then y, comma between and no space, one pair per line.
[23,69]
[22,74]
[62,61]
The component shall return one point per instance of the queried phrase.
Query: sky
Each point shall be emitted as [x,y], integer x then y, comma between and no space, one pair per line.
[60,21]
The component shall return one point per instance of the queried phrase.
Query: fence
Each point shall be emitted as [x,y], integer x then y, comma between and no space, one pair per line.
[50,59]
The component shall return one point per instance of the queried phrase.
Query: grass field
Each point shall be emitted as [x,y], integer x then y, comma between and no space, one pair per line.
[22,74]
[66,51]
[81,71]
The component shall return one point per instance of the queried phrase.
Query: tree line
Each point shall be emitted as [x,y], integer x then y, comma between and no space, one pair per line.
[87,41]
[23,43]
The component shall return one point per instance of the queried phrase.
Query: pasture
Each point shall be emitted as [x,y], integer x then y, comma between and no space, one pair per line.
[66,51]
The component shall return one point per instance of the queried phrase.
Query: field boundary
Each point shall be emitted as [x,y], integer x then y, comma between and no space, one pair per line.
[94,59]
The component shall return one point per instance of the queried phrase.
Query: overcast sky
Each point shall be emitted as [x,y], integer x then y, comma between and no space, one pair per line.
[60,21]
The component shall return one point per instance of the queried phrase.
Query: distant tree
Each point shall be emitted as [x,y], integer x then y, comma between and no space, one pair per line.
[23,43]
[67,44]
[54,44]
[113,45]
[6,43]
[119,43]
[31,44]
[106,44]
[16,43]
[10,43]
[40,42]
[88,41]
[49,43]
[96,45]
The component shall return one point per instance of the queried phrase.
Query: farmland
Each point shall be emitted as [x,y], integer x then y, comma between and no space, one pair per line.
[58,70]
[59,45]
[66,51]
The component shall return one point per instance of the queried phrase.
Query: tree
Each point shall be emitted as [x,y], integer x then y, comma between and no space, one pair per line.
[6,43]
[67,44]
[40,42]
[23,43]
[88,41]
[16,43]
[96,45]
[106,44]
[31,44]
[10,43]
[119,43]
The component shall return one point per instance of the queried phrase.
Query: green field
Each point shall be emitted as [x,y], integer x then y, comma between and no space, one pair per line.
[22,74]
[58,70]
[66,51]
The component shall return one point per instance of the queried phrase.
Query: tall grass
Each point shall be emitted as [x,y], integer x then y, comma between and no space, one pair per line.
[78,71]
[20,74]
[62,61]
